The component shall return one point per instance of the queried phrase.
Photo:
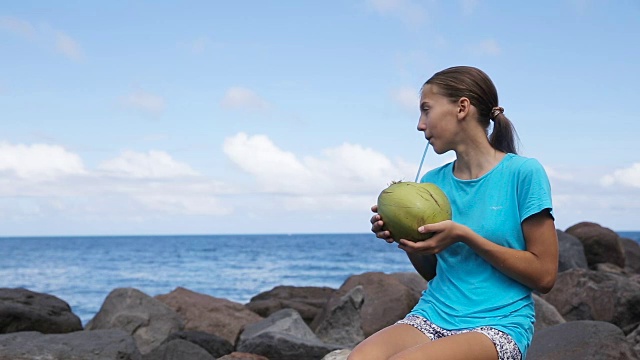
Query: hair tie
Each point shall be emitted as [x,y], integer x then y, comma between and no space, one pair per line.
[495,112]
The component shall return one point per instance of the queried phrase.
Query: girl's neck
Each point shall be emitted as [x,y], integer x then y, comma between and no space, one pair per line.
[476,159]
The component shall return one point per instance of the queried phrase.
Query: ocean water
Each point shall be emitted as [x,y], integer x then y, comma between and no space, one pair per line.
[83,270]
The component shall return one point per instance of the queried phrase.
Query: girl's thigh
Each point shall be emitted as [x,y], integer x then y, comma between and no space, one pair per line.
[388,342]
[470,345]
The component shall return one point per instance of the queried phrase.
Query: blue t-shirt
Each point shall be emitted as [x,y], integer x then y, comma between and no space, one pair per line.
[467,291]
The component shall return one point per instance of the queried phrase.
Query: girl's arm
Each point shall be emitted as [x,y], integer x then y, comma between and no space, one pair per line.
[535,267]
[424,264]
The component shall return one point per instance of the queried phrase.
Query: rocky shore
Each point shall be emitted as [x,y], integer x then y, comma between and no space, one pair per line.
[593,312]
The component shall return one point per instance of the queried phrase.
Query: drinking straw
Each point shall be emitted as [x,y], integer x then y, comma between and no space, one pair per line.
[422,161]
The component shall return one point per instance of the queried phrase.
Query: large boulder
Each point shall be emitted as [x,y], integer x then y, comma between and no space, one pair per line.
[546,314]
[210,314]
[601,244]
[388,298]
[25,310]
[581,340]
[148,320]
[284,336]
[581,294]
[634,338]
[79,345]
[343,325]
[632,255]
[242,356]
[213,344]
[306,300]
[178,349]
[571,252]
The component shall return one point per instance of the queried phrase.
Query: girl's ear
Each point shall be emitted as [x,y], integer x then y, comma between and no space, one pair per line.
[464,106]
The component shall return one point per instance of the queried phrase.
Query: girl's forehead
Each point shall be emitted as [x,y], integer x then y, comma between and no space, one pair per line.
[429,93]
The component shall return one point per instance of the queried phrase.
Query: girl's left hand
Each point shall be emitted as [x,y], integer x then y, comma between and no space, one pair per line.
[445,233]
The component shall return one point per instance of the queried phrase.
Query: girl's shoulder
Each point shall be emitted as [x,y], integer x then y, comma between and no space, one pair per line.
[522,163]
[438,172]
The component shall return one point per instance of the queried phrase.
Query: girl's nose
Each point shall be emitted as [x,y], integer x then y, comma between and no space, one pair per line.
[422,125]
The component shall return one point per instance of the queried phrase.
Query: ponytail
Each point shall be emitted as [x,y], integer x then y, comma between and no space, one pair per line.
[504,135]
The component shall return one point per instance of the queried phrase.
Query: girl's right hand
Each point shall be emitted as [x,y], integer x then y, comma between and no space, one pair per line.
[377,224]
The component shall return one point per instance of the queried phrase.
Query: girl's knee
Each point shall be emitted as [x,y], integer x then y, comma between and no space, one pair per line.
[356,355]
[360,352]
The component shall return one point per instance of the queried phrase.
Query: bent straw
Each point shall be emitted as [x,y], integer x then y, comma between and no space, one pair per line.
[422,161]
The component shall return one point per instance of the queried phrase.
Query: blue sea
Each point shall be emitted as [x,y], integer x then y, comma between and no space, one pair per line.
[83,270]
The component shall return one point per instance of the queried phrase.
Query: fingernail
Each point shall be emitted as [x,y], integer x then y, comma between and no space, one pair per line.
[421,229]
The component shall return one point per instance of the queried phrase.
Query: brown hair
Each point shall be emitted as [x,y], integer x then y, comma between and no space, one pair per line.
[466,81]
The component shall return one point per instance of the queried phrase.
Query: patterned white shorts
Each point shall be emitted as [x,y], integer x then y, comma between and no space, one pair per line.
[507,348]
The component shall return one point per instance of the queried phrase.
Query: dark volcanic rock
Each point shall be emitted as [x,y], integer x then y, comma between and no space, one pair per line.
[285,336]
[595,295]
[546,314]
[581,340]
[343,325]
[213,344]
[388,298]
[632,255]
[206,313]
[178,349]
[24,310]
[571,252]
[601,244]
[79,345]
[306,300]
[148,320]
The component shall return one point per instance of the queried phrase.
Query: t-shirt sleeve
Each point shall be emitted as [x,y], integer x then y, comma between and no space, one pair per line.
[534,190]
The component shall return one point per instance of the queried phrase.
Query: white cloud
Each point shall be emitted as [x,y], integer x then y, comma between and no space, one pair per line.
[18,26]
[553,173]
[408,11]
[186,204]
[150,165]
[346,169]
[487,47]
[68,46]
[62,42]
[275,169]
[145,101]
[47,181]
[39,162]
[628,177]
[407,97]
[243,98]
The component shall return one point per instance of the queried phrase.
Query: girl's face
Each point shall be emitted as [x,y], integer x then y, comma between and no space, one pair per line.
[438,119]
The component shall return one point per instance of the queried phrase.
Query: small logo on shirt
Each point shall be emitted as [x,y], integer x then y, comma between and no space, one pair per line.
[496,207]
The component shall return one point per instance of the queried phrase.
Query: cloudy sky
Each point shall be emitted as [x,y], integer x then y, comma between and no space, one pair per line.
[235,117]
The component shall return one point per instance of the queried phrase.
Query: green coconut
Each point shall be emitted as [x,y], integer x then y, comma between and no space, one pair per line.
[405,206]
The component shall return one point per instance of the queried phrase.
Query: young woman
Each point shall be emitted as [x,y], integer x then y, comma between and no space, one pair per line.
[501,244]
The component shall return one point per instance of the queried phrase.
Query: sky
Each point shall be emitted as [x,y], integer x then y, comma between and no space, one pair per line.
[255,117]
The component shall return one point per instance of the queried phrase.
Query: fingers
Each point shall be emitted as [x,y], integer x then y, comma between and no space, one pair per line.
[385,235]
[420,247]
[428,228]
[377,224]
